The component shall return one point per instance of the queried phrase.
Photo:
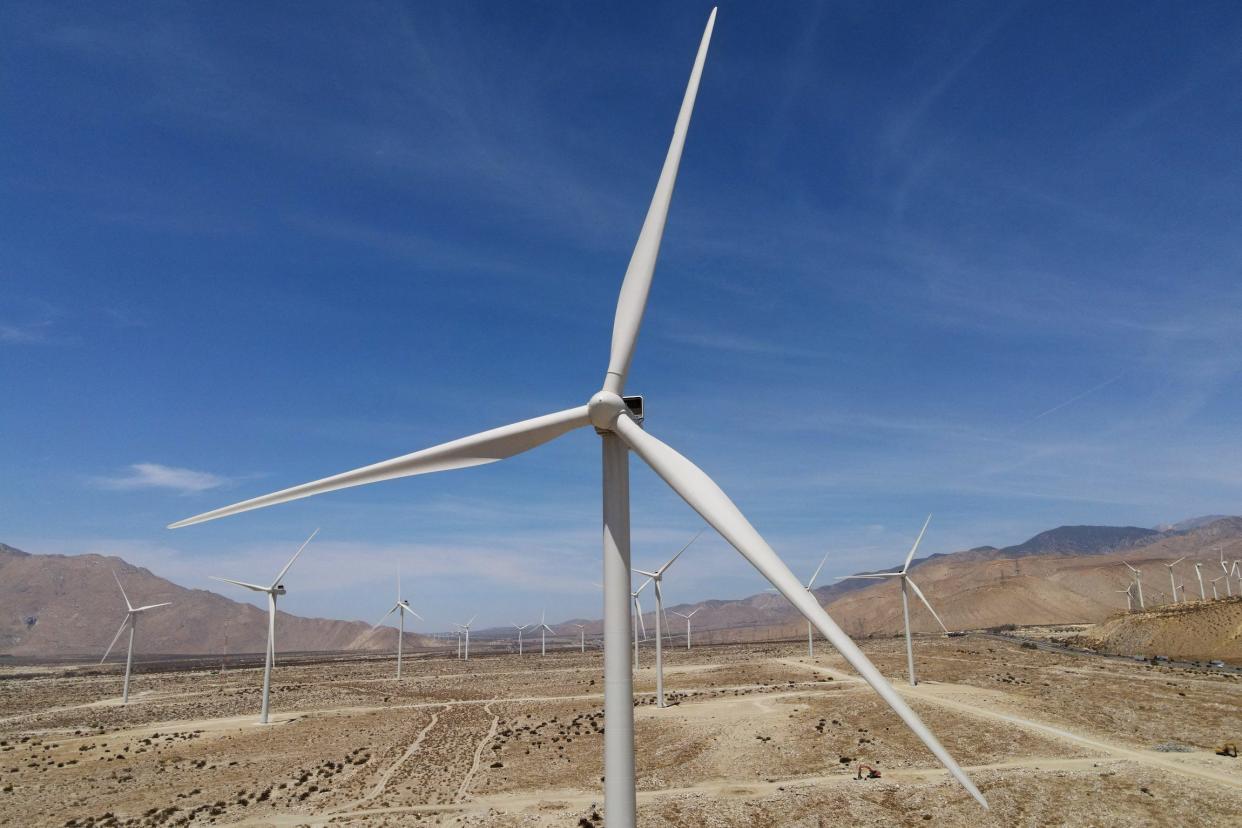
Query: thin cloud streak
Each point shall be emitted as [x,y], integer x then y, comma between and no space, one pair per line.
[157,476]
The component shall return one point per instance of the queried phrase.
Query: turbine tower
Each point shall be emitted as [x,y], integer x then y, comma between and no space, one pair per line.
[687,616]
[1199,575]
[401,608]
[618,422]
[1129,598]
[637,621]
[657,578]
[276,588]
[520,630]
[466,629]
[581,637]
[906,582]
[810,630]
[1138,582]
[1225,568]
[544,629]
[131,620]
[1172,582]
[1215,594]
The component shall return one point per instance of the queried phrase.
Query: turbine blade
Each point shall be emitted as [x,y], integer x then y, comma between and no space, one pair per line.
[128,605]
[415,614]
[382,617]
[637,283]
[917,541]
[697,534]
[645,572]
[294,558]
[475,450]
[255,587]
[151,606]
[639,609]
[715,507]
[869,575]
[926,603]
[115,638]
[693,611]
[646,584]
[811,582]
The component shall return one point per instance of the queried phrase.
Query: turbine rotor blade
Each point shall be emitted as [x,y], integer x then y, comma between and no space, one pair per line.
[115,638]
[869,575]
[475,450]
[917,541]
[811,582]
[294,558]
[664,568]
[714,506]
[637,283]
[128,605]
[151,606]
[926,603]
[255,587]
[382,617]
[645,572]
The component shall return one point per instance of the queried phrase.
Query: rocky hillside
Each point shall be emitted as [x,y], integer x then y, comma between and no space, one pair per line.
[69,605]
[1192,631]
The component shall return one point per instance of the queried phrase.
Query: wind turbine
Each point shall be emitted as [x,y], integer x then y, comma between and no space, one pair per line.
[1172,582]
[1138,582]
[276,588]
[520,630]
[1129,598]
[687,616]
[1215,594]
[637,622]
[1225,568]
[465,628]
[617,421]
[581,637]
[401,608]
[1199,575]
[544,629]
[657,578]
[906,581]
[131,620]
[810,630]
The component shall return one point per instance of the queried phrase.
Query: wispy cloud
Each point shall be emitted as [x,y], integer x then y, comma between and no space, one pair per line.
[28,334]
[156,476]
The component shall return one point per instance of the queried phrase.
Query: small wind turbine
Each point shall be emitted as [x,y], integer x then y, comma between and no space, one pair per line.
[810,629]
[401,608]
[617,420]
[906,581]
[466,628]
[657,578]
[131,619]
[544,629]
[1225,568]
[1199,575]
[581,637]
[638,619]
[1172,582]
[687,616]
[520,630]
[1138,582]
[1215,594]
[1129,598]
[276,588]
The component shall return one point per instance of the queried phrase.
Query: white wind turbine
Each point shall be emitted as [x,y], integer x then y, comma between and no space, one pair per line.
[1225,568]
[466,629]
[276,588]
[131,620]
[1172,582]
[637,621]
[520,630]
[544,629]
[1199,575]
[810,630]
[1237,572]
[657,578]
[1215,594]
[401,608]
[1138,582]
[581,637]
[906,581]
[1129,598]
[687,616]
[617,421]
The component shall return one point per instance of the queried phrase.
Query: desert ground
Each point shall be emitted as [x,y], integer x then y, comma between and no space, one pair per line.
[756,735]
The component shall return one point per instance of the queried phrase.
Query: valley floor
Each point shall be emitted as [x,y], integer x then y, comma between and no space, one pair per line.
[758,735]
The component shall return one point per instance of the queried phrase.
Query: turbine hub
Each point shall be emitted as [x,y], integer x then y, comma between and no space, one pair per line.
[604,408]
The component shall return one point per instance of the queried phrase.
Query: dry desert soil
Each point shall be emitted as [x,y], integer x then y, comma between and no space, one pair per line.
[756,735]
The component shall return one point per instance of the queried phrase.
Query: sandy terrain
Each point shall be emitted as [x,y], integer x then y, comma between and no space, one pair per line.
[757,735]
[1191,631]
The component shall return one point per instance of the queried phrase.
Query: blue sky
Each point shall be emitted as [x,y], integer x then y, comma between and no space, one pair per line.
[976,259]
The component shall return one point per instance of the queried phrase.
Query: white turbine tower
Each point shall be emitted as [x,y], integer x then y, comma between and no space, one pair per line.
[687,616]
[1129,598]
[617,421]
[1172,582]
[131,620]
[657,578]
[810,630]
[637,621]
[466,629]
[1215,594]
[1138,582]
[581,637]
[401,608]
[1199,575]
[276,588]
[1224,567]
[907,581]
[544,629]
[520,630]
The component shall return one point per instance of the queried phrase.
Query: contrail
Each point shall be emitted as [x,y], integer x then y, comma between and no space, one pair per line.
[1070,401]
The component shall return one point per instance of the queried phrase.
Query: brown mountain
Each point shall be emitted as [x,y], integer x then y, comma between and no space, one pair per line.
[69,605]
